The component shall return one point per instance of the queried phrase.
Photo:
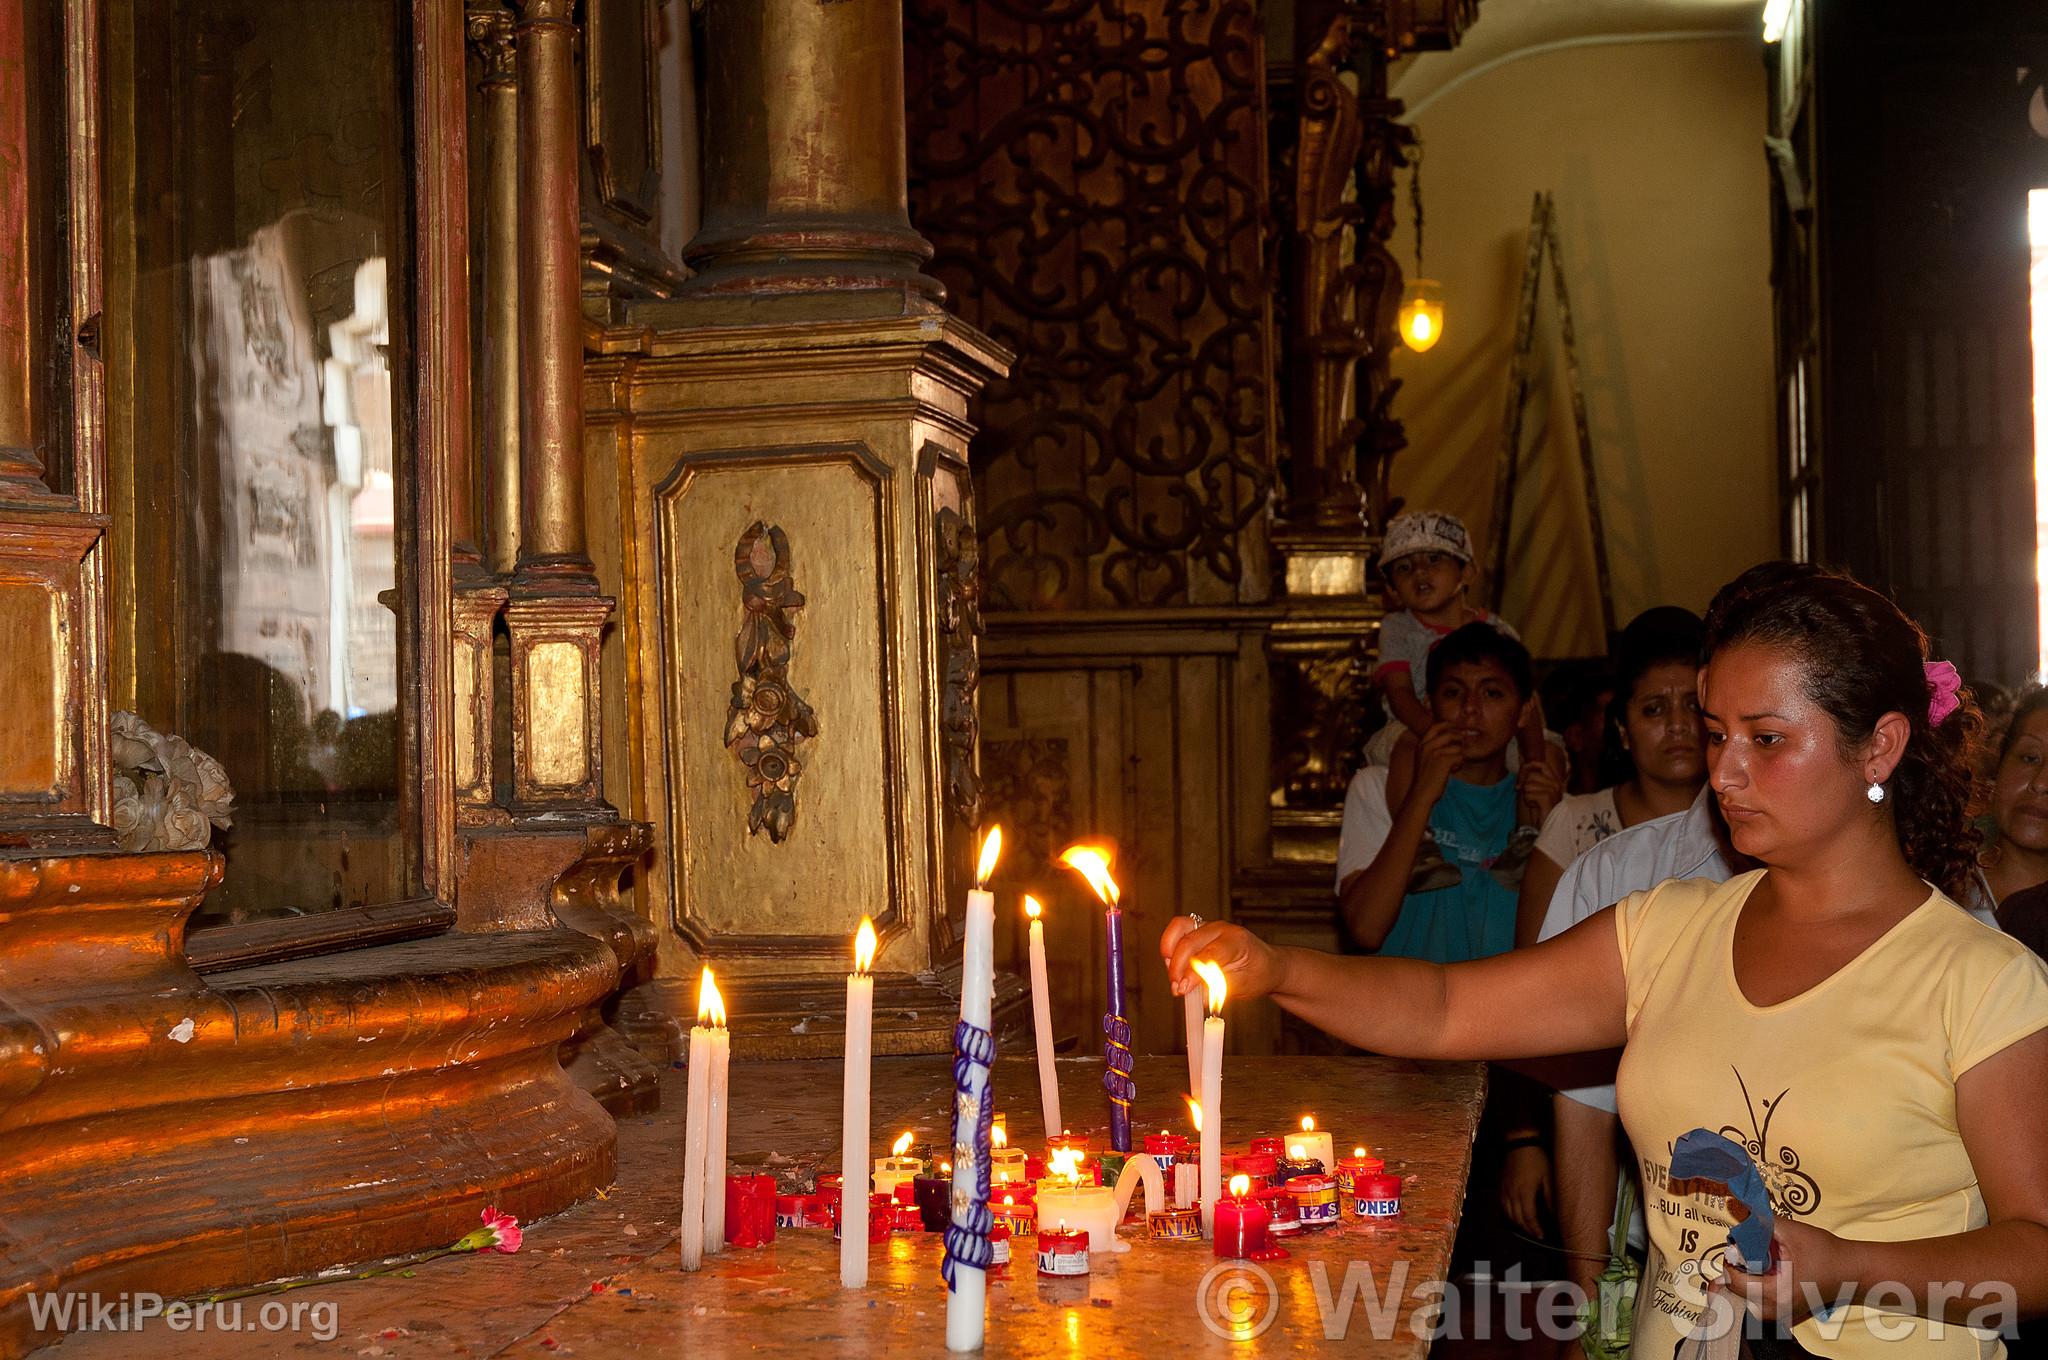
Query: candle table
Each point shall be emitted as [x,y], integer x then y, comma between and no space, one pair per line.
[1422,1115]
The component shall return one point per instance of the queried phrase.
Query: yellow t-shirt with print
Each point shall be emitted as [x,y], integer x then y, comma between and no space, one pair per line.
[1844,1095]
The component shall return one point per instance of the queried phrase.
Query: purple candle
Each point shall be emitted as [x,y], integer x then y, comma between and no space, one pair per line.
[1092,863]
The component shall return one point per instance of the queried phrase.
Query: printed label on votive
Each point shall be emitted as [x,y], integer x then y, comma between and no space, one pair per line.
[1319,1213]
[1063,1263]
[1379,1208]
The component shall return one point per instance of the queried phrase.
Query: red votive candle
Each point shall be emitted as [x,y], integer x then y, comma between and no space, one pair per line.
[1315,1201]
[1260,1166]
[1242,1230]
[1378,1196]
[1351,1169]
[1283,1220]
[881,1218]
[749,1210]
[1020,1216]
[1269,1147]
[1165,1148]
[793,1211]
[1034,1168]
[1062,1251]
[999,1248]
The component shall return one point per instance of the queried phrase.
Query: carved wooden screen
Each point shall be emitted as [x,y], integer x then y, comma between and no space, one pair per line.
[1093,176]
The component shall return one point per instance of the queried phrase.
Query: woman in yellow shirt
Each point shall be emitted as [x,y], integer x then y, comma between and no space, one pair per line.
[1882,1055]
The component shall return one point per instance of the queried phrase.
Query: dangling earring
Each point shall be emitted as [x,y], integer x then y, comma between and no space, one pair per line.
[1875,793]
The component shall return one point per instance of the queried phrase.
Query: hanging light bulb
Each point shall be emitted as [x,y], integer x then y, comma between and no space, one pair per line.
[1422,314]
[1421,317]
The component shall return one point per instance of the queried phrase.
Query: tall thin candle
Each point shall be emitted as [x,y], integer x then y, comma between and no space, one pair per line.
[1092,863]
[697,1187]
[853,1113]
[1041,1019]
[715,1129]
[968,1251]
[1193,1004]
[1212,1094]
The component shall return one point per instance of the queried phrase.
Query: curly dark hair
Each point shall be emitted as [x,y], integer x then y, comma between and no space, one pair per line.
[1863,658]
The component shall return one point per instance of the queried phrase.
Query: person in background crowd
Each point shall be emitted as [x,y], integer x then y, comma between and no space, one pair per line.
[1655,733]
[2015,855]
[1575,698]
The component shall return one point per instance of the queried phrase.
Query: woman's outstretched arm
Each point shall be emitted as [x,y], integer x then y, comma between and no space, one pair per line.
[1562,996]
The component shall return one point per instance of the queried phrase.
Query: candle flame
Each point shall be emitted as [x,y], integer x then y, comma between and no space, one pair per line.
[1092,863]
[900,1146]
[1308,1123]
[997,1137]
[710,1005]
[1240,1186]
[864,946]
[1212,978]
[1066,1164]
[1358,1152]
[1009,1199]
[991,849]
[1194,1112]
[1031,907]
[945,1168]
[1297,1152]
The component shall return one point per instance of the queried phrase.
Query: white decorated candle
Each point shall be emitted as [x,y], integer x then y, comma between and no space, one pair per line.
[967,1301]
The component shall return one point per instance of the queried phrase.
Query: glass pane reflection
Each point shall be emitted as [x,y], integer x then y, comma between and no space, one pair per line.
[267,258]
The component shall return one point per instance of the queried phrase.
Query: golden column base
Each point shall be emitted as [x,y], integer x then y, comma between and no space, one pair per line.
[557,757]
[791,498]
[474,613]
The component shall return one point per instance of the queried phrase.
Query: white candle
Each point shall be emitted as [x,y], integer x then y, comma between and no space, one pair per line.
[1041,1019]
[1313,1142]
[1090,1208]
[898,1168]
[1192,1005]
[697,1126]
[1212,1095]
[1185,1178]
[714,1145]
[853,1113]
[967,1302]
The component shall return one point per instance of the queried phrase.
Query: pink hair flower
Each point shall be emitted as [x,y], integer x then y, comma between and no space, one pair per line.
[500,1233]
[1944,691]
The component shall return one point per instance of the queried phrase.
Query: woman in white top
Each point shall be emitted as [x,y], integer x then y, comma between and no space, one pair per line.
[1655,723]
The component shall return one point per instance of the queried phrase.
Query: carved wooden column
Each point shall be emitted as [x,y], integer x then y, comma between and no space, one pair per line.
[489,28]
[556,614]
[490,31]
[1344,291]
[53,775]
[786,448]
[804,177]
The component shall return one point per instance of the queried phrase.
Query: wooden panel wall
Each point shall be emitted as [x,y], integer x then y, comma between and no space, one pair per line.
[1152,736]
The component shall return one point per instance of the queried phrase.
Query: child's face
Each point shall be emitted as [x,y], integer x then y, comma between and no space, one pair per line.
[1480,699]
[1425,582]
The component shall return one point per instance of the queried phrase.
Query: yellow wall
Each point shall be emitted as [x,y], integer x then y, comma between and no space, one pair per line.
[1655,153]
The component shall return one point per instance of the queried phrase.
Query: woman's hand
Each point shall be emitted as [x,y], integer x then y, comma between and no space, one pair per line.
[1253,966]
[1811,1264]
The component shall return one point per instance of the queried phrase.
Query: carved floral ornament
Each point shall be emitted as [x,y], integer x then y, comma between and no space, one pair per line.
[168,794]
[766,720]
